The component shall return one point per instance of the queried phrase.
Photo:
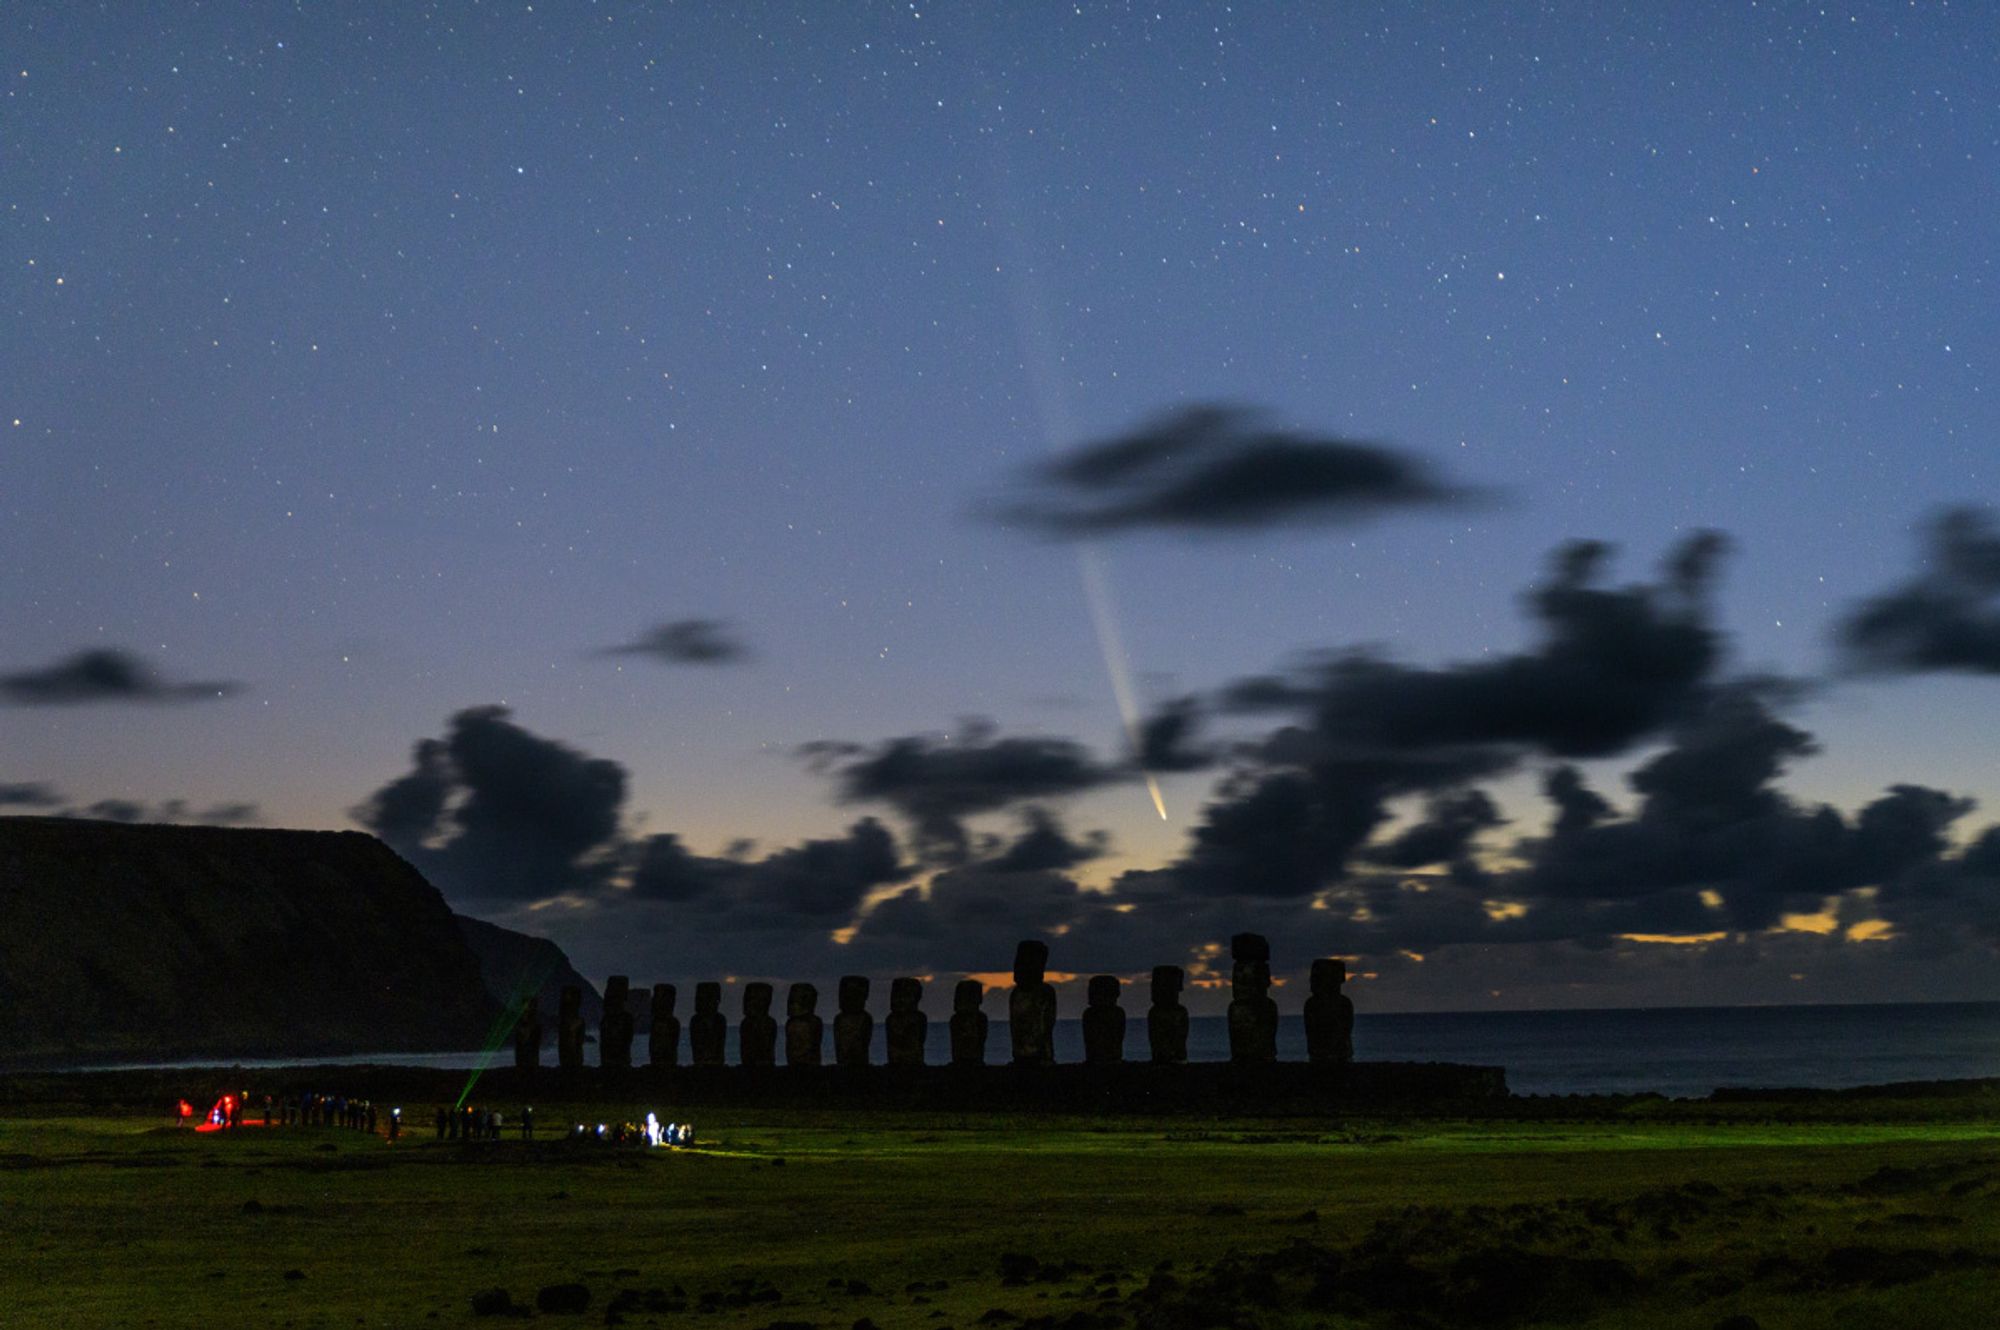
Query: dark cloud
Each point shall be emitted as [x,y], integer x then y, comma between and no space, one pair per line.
[1292,831]
[968,919]
[938,783]
[1166,739]
[665,869]
[1045,846]
[494,811]
[1578,807]
[406,812]
[103,675]
[115,810]
[132,810]
[817,885]
[1450,824]
[1220,468]
[1709,818]
[687,642]
[229,814]
[1614,666]
[28,794]
[1945,619]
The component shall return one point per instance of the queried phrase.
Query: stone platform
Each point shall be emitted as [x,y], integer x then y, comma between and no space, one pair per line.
[1282,1089]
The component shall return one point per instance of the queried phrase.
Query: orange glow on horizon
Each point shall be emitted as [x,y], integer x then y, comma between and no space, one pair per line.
[1821,921]
[1674,939]
[1005,978]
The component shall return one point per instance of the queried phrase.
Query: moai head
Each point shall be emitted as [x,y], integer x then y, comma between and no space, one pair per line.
[707,998]
[1167,981]
[1327,976]
[1104,990]
[1250,947]
[663,1000]
[756,999]
[572,1001]
[1031,962]
[853,993]
[1251,978]
[803,1000]
[905,994]
[968,995]
[617,990]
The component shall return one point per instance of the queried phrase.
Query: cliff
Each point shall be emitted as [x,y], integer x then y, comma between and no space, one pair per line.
[157,942]
[516,964]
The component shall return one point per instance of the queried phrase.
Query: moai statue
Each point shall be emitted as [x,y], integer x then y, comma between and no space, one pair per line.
[708,1032]
[804,1030]
[1253,1017]
[1031,1007]
[907,1024]
[663,1042]
[614,1032]
[1167,1020]
[1329,1016]
[528,1036]
[968,1024]
[1104,1023]
[569,1029]
[757,1034]
[853,1027]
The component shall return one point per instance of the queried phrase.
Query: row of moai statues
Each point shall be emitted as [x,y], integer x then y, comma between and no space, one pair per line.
[1031,1015]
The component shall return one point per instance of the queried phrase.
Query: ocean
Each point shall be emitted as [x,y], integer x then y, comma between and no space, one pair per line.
[1677,1051]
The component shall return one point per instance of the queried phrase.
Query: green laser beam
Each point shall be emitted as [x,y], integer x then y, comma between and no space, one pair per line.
[526,985]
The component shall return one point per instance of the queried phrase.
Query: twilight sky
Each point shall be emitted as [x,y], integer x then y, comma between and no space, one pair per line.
[753,407]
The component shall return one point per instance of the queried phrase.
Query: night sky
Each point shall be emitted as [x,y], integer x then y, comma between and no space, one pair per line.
[697,483]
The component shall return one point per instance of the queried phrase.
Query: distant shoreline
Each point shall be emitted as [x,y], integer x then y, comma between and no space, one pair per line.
[1682,1052]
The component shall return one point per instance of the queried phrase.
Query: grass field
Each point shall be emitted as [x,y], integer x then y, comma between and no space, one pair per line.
[122,1220]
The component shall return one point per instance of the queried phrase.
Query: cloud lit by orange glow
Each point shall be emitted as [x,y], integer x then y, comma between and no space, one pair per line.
[1005,978]
[1673,939]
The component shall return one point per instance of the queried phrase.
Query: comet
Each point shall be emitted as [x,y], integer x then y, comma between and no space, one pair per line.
[1104,618]
[1037,338]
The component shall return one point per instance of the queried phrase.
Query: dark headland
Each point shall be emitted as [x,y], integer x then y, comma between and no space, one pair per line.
[163,942]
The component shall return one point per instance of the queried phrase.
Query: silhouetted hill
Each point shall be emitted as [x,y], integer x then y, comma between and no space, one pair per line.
[517,963]
[171,941]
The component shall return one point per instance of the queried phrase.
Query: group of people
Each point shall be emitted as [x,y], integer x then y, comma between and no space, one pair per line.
[469,1123]
[325,1110]
[464,1122]
[652,1132]
[300,1110]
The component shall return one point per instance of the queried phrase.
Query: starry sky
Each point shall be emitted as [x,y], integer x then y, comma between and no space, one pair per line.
[614,451]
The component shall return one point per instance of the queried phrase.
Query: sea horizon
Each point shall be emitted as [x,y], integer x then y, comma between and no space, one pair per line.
[1681,1052]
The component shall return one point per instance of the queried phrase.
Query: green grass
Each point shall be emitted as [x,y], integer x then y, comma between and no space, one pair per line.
[122,1221]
